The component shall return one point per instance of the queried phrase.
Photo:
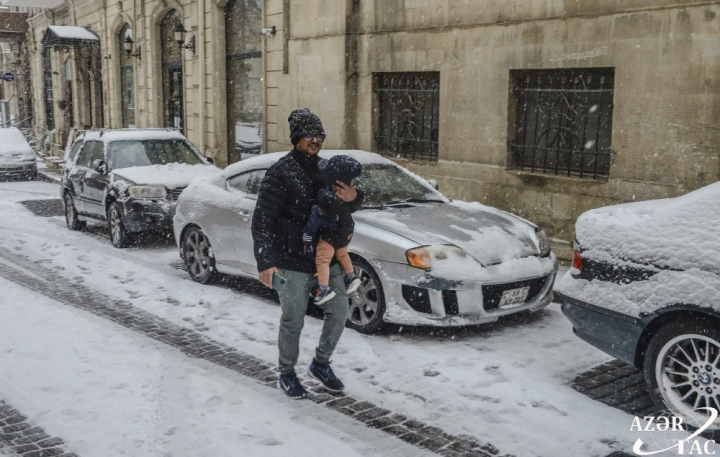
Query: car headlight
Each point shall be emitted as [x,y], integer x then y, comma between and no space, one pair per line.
[543,244]
[424,257]
[147,191]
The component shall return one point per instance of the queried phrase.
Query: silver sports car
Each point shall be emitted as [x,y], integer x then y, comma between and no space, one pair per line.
[423,259]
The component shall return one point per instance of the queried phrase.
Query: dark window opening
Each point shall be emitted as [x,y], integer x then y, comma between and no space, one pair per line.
[47,84]
[561,121]
[243,47]
[172,72]
[408,114]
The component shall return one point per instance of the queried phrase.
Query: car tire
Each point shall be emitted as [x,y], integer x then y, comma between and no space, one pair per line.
[71,214]
[367,303]
[198,256]
[682,346]
[119,236]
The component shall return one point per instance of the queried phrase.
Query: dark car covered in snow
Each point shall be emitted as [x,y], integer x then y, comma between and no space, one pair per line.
[645,287]
[129,178]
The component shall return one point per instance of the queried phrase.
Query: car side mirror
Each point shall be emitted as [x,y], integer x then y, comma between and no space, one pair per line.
[433,183]
[99,166]
[210,160]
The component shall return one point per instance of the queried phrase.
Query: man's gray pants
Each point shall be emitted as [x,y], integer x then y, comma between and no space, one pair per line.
[294,302]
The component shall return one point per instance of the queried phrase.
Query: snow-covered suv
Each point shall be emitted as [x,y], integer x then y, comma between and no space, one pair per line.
[130,178]
[645,287]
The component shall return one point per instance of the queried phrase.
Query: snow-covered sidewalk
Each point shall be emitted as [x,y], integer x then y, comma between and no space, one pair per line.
[109,392]
[505,383]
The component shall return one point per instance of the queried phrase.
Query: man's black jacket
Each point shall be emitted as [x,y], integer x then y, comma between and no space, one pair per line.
[283,207]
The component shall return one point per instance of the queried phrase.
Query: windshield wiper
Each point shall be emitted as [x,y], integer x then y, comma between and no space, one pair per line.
[413,200]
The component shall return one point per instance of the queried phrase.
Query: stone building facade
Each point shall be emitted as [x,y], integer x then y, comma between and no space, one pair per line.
[84,78]
[543,108]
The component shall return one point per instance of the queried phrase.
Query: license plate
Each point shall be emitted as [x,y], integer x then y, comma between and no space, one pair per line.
[514,297]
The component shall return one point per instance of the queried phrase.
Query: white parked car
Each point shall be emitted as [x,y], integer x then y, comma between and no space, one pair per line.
[422,258]
[17,158]
[645,288]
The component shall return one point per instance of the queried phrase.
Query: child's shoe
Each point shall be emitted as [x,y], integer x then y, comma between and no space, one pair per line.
[352,282]
[321,294]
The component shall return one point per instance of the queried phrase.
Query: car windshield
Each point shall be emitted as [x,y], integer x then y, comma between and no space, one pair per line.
[388,184]
[140,153]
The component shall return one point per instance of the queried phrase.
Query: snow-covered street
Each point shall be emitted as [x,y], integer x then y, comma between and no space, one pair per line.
[107,390]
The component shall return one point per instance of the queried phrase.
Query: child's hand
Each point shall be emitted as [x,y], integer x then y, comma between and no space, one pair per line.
[344,192]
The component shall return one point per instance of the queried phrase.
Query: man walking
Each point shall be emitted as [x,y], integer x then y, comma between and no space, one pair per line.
[283,207]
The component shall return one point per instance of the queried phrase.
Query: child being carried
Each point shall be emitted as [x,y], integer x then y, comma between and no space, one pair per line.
[332,217]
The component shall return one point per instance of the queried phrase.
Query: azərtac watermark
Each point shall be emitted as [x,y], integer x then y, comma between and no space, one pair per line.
[678,445]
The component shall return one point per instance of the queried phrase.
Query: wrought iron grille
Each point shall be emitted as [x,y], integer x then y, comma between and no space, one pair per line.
[563,121]
[408,114]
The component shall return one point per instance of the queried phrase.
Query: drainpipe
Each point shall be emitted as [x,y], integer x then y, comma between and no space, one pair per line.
[201,66]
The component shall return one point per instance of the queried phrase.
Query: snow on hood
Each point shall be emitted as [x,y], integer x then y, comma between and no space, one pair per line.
[172,175]
[14,147]
[678,233]
[490,236]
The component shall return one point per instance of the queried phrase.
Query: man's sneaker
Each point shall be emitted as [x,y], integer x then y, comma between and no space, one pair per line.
[321,294]
[324,374]
[290,384]
[352,282]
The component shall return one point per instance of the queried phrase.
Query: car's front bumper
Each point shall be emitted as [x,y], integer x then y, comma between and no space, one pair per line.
[610,331]
[141,215]
[18,169]
[414,298]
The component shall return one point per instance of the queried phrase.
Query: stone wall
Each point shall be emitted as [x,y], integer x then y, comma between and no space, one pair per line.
[666,120]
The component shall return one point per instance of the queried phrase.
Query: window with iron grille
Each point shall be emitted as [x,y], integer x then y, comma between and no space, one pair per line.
[408,114]
[562,121]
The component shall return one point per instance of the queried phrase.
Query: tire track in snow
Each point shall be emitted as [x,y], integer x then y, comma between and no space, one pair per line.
[194,344]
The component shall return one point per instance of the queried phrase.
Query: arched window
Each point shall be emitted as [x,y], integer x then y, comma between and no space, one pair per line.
[172,74]
[127,82]
[243,44]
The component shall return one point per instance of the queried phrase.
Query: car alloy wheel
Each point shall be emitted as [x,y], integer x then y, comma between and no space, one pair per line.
[118,235]
[367,303]
[71,217]
[198,255]
[683,369]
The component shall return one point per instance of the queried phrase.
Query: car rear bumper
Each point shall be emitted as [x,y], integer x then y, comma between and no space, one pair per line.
[414,298]
[147,215]
[614,333]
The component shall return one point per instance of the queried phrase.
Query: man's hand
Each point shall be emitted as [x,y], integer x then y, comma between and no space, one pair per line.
[266,276]
[344,192]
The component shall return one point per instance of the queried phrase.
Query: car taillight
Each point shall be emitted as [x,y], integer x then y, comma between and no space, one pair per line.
[577,261]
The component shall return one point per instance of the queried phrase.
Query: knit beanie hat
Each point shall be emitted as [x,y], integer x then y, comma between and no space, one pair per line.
[341,168]
[303,122]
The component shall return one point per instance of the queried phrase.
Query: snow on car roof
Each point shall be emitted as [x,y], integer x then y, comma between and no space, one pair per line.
[678,233]
[266,160]
[12,140]
[133,134]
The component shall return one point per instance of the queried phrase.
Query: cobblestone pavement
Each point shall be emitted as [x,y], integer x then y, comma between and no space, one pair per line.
[194,344]
[18,436]
[617,384]
[45,208]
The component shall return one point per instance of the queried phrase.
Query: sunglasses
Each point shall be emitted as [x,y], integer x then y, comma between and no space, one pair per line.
[320,137]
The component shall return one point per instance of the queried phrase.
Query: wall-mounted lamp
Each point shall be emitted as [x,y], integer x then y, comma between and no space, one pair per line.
[128,45]
[180,38]
[269,31]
